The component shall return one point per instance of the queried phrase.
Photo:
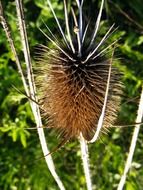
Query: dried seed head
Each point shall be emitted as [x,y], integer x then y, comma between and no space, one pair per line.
[72,83]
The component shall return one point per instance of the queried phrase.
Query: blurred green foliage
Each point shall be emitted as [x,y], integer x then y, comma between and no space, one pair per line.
[19,147]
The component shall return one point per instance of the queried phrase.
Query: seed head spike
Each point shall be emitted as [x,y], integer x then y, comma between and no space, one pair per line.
[85,32]
[67,26]
[100,43]
[77,33]
[97,23]
[80,5]
[56,44]
[60,28]
[50,31]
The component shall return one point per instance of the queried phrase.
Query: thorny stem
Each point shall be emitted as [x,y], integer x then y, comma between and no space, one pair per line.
[133,143]
[85,160]
[12,46]
[26,50]
[31,89]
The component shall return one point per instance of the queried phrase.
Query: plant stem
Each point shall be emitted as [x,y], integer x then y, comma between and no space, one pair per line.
[85,161]
[133,144]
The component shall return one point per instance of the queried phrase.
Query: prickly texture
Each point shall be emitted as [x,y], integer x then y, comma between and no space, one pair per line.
[72,93]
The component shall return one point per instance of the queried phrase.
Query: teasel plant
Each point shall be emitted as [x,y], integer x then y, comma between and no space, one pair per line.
[79,88]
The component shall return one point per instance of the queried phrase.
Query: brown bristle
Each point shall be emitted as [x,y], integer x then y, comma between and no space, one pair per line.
[72,93]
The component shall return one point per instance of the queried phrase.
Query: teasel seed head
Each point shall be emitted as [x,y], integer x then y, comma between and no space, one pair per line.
[72,79]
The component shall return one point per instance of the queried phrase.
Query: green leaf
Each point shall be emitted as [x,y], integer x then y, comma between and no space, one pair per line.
[23,139]
[14,134]
[130,186]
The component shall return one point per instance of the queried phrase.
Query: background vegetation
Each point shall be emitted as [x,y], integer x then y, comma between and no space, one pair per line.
[19,147]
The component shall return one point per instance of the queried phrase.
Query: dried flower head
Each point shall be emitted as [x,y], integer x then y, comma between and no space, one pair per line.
[73,79]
